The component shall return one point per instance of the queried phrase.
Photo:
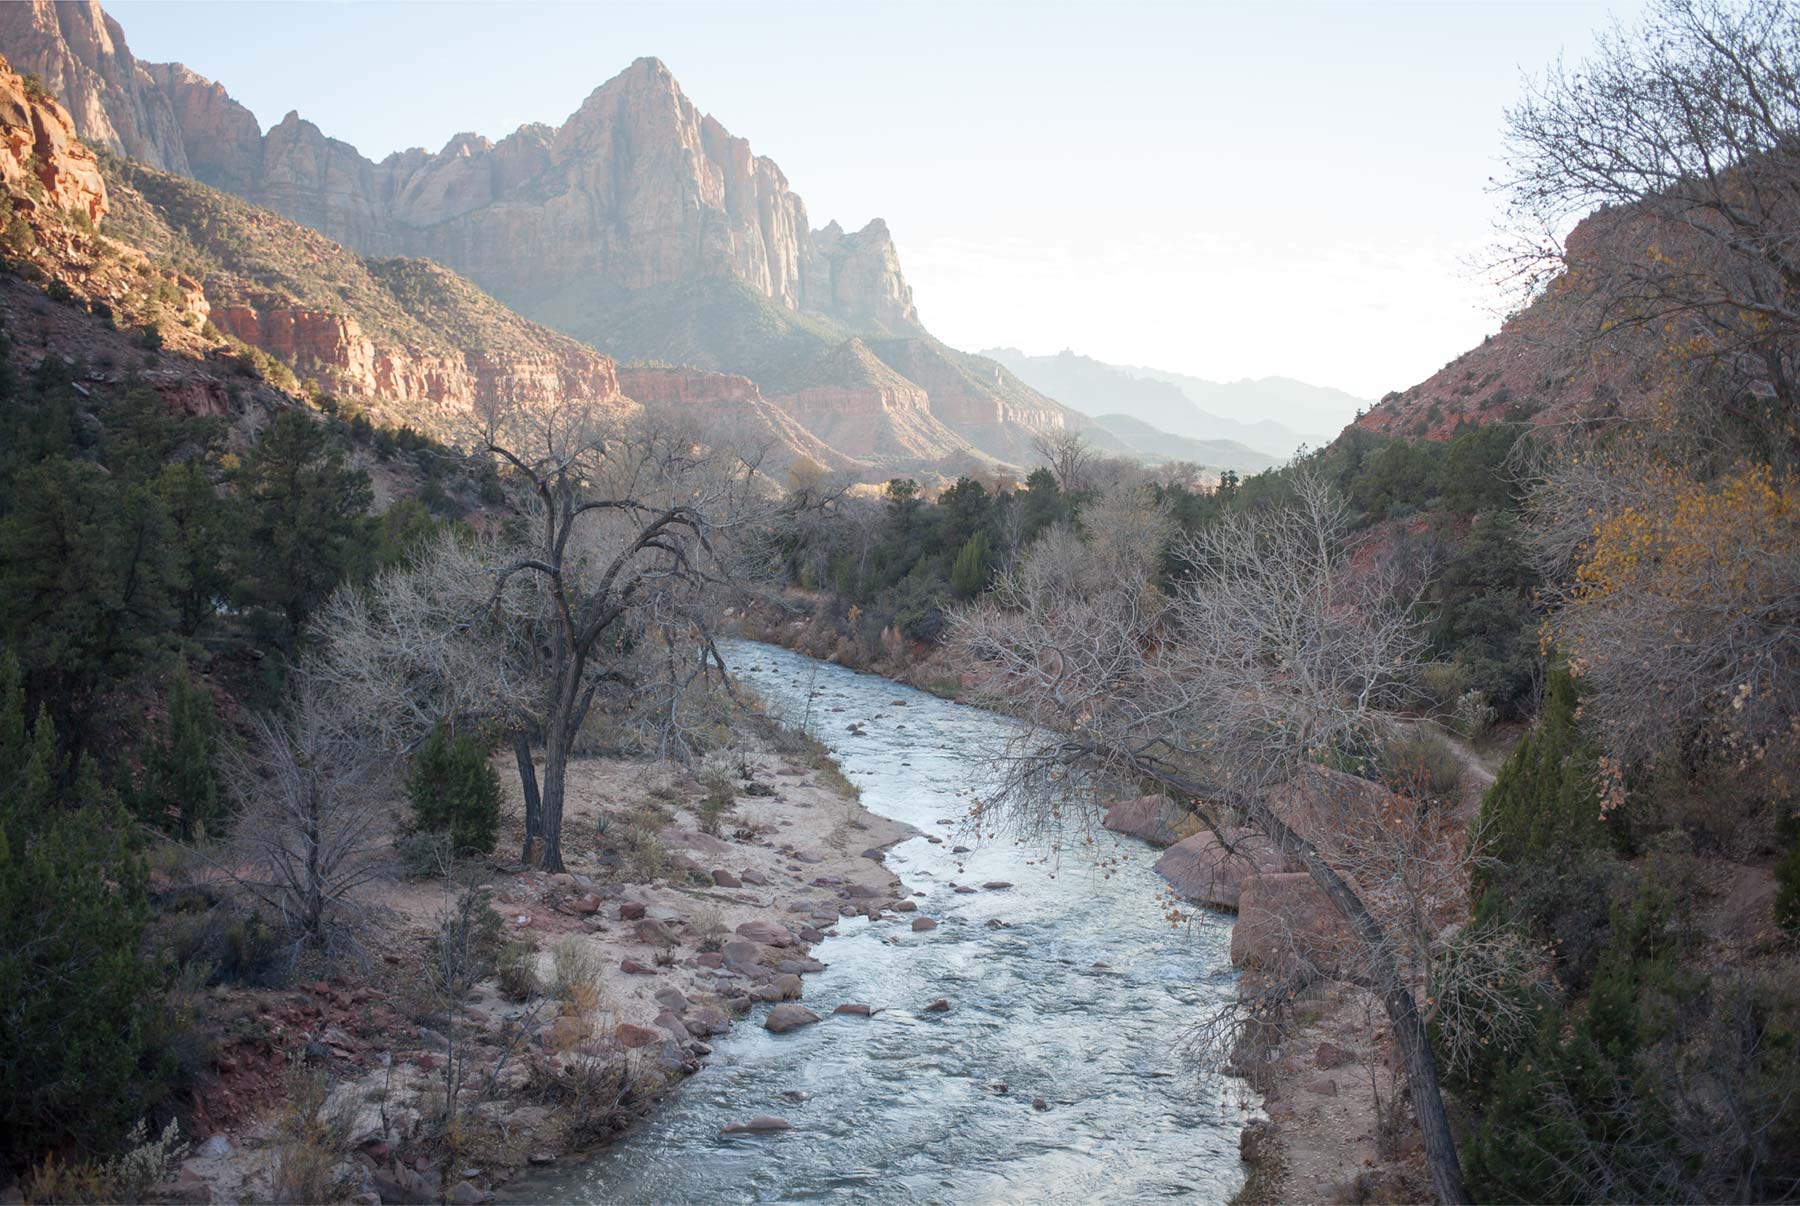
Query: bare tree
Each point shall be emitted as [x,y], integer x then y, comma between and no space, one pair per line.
[310,829]
[1068,456]
[1272,652]
[609,589]
[1684,129]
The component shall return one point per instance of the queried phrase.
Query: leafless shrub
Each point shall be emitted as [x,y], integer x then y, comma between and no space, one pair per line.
[311,827]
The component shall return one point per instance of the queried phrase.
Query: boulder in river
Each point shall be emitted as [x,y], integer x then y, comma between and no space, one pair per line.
[938,1006]
[920,924]
[1154,819]
[1200,868]
[762,1124]
[784,1018]
[855,1009]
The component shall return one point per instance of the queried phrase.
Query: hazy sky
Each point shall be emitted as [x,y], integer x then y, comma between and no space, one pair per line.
[1222,189]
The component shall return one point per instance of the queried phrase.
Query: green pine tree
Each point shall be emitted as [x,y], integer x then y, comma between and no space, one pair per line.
[969,575]
[179,787]
[455,790]
[81,1006]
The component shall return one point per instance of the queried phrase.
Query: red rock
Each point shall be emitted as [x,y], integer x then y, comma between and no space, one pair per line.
[1199,868]
[1153,819]
[938,1006]
[710,959]
[1038,1103]
[855,1008]
[725,879]
[755,877]
[631,910]
[904,906]
[588,903]
[632,1035]
[1324,1086]
[1283,918]
[767,933]
[921,924]
[632,967]
[997,885]
[784,1018]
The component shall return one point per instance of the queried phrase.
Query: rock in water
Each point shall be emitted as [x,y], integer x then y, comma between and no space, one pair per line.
[784,1018]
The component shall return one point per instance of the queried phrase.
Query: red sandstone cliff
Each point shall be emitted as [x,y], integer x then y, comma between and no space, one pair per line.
[42,162]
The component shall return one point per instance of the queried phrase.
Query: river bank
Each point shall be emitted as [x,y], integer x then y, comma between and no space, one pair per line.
[658,938]
[1333,1126]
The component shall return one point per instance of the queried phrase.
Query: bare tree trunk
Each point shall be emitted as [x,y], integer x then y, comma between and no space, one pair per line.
[1396,998]
[528,784]
[556,766]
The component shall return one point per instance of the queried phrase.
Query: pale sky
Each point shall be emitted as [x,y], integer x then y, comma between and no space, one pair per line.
[1227,190]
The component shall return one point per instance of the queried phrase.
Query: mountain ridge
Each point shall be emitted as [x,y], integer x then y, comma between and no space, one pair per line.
[639,225]
[1173,401]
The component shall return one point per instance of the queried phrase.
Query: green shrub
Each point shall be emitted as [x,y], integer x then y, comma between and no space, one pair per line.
[454,789]
[516,970]
[81,1007]
[178,790]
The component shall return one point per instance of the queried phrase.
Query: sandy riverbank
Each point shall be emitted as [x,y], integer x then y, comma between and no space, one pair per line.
[678,933]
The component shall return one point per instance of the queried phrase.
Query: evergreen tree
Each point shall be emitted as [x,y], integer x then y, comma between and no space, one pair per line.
[969,576]
[304,511]
[454,789]
[179,788]
[81,1007]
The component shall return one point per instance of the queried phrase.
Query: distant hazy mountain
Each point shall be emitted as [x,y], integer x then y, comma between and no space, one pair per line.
[1275,415]
[1156,446]
[1318,410]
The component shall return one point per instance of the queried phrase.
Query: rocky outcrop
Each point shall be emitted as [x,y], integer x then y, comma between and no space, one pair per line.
[1152,819]
[433,391]
[856,278]
[862,408]
[1213,873]
[80,55]
[40,156]
[221,139]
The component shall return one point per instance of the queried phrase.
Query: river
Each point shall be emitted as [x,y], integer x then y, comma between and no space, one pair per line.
[1084,996]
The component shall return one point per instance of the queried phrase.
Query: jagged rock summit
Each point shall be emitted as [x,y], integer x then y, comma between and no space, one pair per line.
[640,226]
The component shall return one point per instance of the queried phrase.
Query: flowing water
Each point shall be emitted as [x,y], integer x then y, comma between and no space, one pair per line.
[1084,998]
